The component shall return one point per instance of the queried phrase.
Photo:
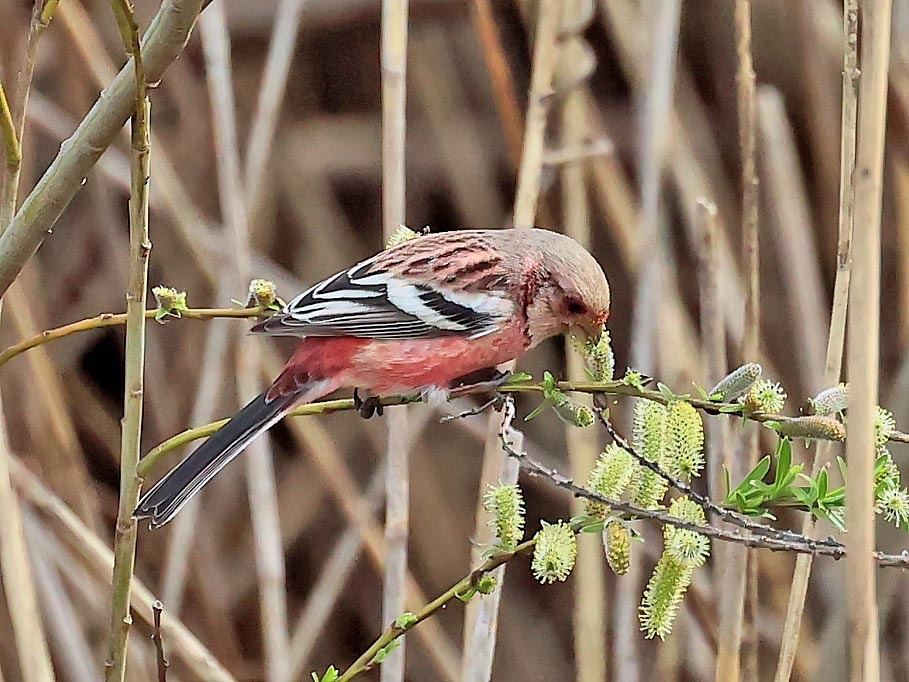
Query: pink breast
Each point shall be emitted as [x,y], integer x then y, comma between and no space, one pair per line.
[390,366]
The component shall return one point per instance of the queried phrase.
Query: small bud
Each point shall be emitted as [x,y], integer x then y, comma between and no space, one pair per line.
[683,441]
[812,426]
[736,383]
[633,378]
[486,584]
[401,235]
[572,412]
[617,542]
[554,553]
[609,477]
[505,504]
[262,294]
[884,426]
[765,396]
[830,401]
[886,473]
[169,301]
[600,358]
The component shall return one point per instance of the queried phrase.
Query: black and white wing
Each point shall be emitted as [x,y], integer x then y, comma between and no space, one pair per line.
[368,301]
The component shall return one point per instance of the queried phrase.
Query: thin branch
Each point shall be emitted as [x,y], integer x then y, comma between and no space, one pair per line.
[117,319]
[163,41]
[789,640]
[134,382]
[161,663]
[11,147]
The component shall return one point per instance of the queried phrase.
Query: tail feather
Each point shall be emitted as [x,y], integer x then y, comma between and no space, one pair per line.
[167,497]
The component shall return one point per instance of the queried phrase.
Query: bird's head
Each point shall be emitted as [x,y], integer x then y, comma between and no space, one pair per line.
[572,294]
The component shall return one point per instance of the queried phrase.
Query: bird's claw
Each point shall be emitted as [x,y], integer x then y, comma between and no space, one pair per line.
[369,406]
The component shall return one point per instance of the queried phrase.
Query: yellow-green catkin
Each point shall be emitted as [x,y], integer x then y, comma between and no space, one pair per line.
[505,506]
[610,477]
[683,441]
[735,384]
[554,553]
[571,411]
[401,235]
[884,426]
[765,396]
[169,301]
[617,543]
[813,426]
[684,550]
[647,487]
[600,358]
[830,401]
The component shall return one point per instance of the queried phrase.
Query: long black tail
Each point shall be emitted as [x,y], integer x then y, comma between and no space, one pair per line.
[167,497]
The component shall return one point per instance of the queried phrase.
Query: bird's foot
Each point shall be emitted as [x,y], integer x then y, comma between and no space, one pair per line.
[368,406]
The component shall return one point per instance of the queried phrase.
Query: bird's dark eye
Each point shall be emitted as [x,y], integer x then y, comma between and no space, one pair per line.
[575,307]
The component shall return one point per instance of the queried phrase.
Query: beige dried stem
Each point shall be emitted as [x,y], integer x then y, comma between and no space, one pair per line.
[734,577]
[862,345]
[823,451]
[262,490]
[575,65]
[397,476]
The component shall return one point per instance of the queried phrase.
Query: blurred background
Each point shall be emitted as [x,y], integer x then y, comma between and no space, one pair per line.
[311,204]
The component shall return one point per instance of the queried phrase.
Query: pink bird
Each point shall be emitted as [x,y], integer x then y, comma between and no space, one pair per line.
[414,318]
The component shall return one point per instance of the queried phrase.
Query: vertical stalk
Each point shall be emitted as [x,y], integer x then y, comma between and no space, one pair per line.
[397,476]
[833,365]
[863,344]
[735,565]
[131,425]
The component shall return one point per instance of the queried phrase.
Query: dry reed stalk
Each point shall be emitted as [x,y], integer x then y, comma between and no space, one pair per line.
[589,609]
[863,343]
[328,588]
[269,550]
[734,579]
[397,475]
[271,95]
[789,640]
[134,376]
[501,79]
[713,338]
[164,40]
[98,557]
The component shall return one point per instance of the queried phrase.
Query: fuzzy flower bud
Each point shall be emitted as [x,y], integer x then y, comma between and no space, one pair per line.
[830,401]
[169,302]
[886,473]
[486,584]
[765,396]
[884,426]
[609,477]
[893,505]
[647,487]
[683,441]
[617,542]
[672,575]
[401,235]
[600,358]
[505,505]
[262,294]
[736,383]
[554,553]
[812,426]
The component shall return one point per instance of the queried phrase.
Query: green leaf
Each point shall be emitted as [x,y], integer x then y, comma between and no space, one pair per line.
[595,527]
[405,620]
[331,675]
[382,653]
[665,390]
[517,378]
[732,408]
[538,409]
[701,391]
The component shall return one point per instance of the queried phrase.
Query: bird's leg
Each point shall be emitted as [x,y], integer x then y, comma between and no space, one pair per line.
[368,406]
